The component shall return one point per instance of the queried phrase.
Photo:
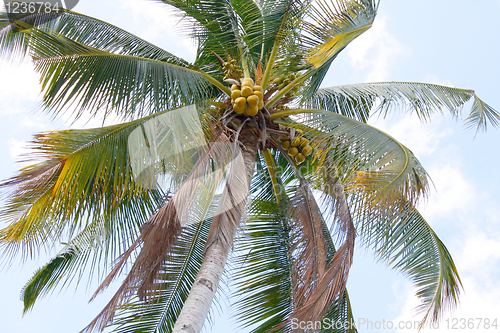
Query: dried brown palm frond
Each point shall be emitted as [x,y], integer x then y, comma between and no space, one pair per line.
[160,232]
[320,281]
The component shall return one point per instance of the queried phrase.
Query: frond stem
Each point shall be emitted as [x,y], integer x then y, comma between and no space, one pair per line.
[216,83]
[263,131]
[290,112]
[274,52]
[244,64]
[271,168]
[269,65]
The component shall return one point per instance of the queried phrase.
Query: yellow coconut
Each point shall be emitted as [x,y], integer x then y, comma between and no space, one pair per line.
[251,111]
[260,105]
[293,151]
[285,145]
[234,87]
[253,100]
[241,102]
[307,150]
[258,88]
[304,142]
[246,91]
[248,85]
[296,141]
[235,94]
[299,158]
[248,81]
[258,93]
[239,109]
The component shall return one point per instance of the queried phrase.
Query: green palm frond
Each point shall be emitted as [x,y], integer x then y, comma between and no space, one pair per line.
[264,26]
[326,29]
[370,161]
[406,241]
[174,282]
[422,98]
[84,78]
[317,36]
[330,26]
[340,318]
[358,106]
[264,256]
[278,37]
[85,30]
[12,42]
[100,171]
[317,77]
[46,277]
[84,255]
[481,114]
[251,18]
[266,261]
[278,18]
[214,24]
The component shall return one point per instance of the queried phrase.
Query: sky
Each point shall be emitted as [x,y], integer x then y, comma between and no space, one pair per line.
[448,42]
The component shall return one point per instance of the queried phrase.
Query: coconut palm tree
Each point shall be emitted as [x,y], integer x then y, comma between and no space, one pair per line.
[242,139]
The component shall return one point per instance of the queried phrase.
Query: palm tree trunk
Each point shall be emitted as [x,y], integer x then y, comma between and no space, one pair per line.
[219,243]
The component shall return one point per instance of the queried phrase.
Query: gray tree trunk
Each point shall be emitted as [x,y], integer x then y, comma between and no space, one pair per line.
[220,239]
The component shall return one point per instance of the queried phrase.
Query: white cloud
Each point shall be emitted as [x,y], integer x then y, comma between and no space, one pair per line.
[421,138]
[19,85]
[37,124]
[159,18]
[376,50]
[480,257]
[454,193]
[17,148]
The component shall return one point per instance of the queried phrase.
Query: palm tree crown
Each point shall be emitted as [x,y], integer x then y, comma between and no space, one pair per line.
[244,133]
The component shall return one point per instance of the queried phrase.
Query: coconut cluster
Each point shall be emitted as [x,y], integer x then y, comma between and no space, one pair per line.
[247,98]
[285,79]
[232,70]
[298,148]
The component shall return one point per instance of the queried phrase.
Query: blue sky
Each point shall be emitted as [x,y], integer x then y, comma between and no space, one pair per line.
[447,42]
